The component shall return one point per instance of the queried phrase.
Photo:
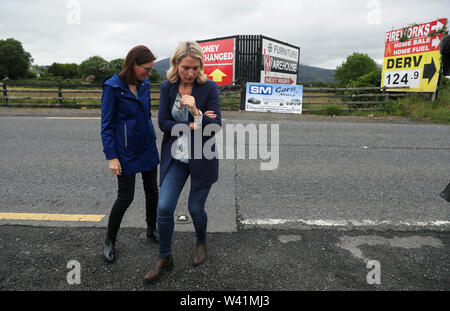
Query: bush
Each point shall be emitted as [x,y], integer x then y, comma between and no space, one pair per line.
[418,108]
[332,111]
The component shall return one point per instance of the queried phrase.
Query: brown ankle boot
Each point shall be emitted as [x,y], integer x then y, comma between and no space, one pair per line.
[200,254]
[162,264]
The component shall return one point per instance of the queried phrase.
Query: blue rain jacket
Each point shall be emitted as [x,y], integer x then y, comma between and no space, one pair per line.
[126,126]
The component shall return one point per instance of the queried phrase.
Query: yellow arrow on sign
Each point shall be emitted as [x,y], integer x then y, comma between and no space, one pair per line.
[217,75]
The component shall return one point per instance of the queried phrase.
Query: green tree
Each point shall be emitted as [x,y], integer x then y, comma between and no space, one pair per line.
[155,77]
[371,79]
[117,64]
[71,70]
[63,70]
[355,66]
[14,60]
[97,67]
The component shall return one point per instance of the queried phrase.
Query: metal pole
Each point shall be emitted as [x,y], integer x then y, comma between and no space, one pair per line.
[243,93]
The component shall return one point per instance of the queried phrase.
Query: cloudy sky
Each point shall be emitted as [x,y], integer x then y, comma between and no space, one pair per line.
[327,31]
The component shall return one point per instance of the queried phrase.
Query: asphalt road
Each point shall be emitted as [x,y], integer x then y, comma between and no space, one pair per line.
[347,191]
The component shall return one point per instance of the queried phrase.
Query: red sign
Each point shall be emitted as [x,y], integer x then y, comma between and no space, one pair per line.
[421,38]
[219,60]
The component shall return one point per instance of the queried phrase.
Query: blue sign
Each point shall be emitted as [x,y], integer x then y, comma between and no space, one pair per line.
[282,98]
[258,89]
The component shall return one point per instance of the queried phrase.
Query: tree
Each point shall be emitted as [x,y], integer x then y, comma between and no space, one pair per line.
[14,60]
[355,66]
[97,67]
[63,70]
[117,64]
[370,79]
[155,77]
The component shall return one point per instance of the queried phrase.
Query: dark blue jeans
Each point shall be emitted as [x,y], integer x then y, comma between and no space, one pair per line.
[169,193]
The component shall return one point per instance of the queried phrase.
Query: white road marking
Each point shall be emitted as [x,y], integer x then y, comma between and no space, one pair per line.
[342,223]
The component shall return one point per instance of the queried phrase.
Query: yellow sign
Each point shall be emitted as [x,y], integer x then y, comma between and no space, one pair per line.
[417,72]
[217,75]
[412,58]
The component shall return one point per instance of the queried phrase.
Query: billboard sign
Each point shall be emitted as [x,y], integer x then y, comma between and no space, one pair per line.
[219,60]
[279,98]
[280,62]
[412,58]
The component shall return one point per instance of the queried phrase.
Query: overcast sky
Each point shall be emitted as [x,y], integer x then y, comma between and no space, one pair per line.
[326,31]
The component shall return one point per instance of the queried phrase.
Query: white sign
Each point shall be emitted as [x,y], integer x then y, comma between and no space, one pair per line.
[403,78]
[279,98]
[280,63]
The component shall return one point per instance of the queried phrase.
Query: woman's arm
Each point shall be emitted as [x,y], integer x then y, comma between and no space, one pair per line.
[213,104]
[165,120]
[107,123]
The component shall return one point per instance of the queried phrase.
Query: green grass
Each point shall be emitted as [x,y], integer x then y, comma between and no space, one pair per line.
[414,106]
[418,108]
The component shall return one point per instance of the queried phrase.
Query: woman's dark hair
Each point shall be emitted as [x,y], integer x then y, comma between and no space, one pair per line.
[140,55]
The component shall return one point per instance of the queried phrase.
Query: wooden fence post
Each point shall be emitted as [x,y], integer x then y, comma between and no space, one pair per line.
[5,94]
[60,95]
[350,100]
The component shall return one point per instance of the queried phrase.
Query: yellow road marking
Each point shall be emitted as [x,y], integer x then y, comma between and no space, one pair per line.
[51,217]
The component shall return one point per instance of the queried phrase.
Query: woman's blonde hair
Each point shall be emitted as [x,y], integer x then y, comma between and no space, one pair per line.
[188,48]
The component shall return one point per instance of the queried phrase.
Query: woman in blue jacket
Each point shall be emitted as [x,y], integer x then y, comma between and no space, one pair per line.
[129,141]
[187,99]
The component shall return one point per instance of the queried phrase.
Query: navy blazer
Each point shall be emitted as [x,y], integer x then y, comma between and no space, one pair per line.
[126,126]
[204,172]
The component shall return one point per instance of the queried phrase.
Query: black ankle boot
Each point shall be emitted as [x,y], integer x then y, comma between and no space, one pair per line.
[109,250]
[152,233]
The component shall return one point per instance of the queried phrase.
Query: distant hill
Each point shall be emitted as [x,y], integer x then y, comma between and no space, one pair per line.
[315,74]
[161,66]
[307,73]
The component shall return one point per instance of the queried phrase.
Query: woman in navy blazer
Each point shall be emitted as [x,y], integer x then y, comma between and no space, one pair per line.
[187,99]
[129,141]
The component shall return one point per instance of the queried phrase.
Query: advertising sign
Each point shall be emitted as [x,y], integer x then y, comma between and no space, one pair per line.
[279,98]
[219,60]
[280,63]
[412,58]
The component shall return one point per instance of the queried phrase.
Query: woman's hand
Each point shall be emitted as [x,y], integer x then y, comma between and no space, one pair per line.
[210,114]
[114,167]
[189,102]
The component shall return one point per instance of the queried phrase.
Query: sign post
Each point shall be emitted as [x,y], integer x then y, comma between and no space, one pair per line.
[412,59]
